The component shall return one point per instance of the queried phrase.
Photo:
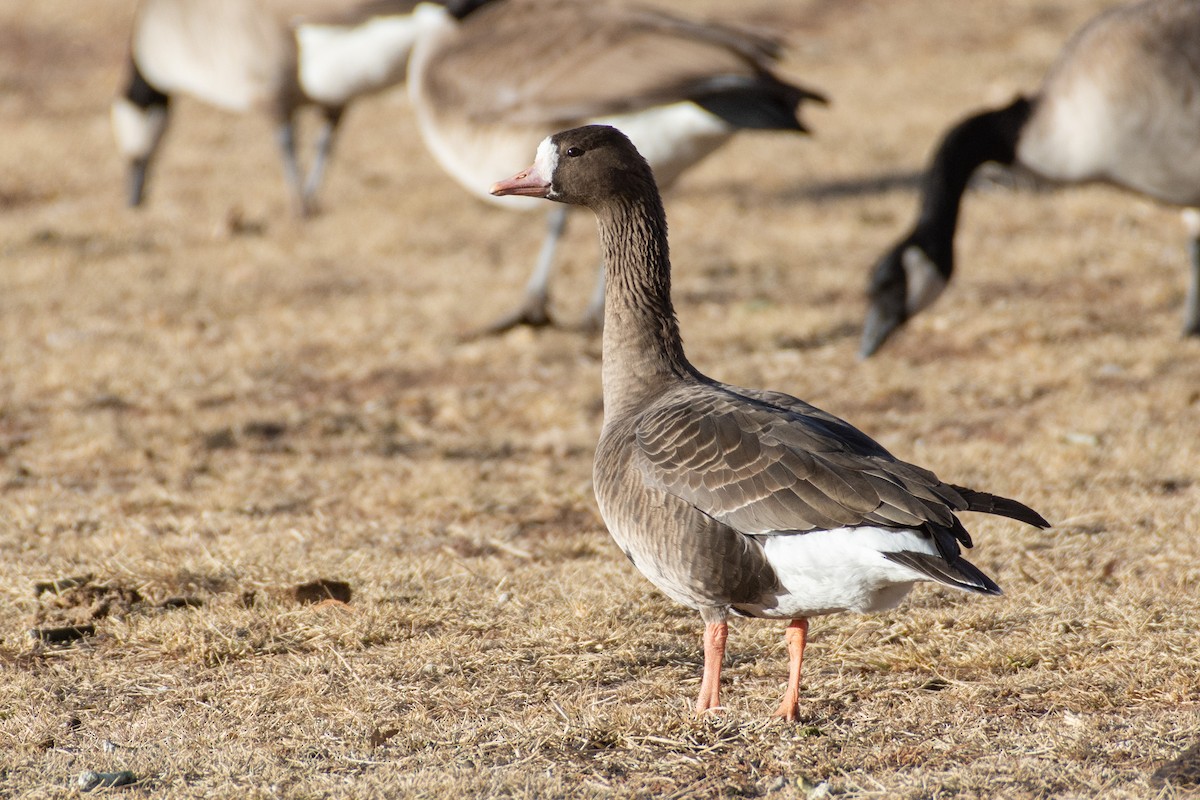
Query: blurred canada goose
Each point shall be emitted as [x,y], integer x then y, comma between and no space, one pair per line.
[487,90]
[272,56]
[1122,106]
[730,500]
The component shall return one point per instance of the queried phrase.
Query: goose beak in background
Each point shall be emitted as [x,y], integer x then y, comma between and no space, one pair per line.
[527,183]
[881,323]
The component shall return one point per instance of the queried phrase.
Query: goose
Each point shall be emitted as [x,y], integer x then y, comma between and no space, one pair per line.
[737,501]
[273,56]
[488,87]
[1120,106]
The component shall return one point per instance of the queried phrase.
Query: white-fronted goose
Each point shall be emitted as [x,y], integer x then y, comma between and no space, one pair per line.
[1121,106]
[730,500]
[272,56]
[487,90]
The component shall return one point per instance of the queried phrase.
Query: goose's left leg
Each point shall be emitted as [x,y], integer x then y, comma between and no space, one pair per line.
[715,636]
[796,637]
[285,136]
[325,139]
[1191,304]
[534,311]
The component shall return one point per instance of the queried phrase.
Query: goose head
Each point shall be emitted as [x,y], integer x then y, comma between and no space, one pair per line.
[905,281]
[588,166]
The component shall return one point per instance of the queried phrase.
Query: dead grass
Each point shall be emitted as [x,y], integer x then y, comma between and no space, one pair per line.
[197,410]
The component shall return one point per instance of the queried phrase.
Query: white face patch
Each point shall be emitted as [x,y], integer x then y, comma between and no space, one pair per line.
[545,162]
[925,283]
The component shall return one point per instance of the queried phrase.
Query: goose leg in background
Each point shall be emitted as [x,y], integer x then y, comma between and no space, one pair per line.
[715,636]
[325,139]
[139,117]
[534,309]
[796,637]
[285,134]
[135,186]
[1191,304]
[593,315]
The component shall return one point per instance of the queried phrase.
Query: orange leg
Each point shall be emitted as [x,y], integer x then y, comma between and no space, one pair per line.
[796,635]
[715,634]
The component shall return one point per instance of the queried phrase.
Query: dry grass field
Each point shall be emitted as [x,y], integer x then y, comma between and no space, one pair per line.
[205,404]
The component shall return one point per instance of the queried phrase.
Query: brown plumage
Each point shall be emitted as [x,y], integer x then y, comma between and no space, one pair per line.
[731,500]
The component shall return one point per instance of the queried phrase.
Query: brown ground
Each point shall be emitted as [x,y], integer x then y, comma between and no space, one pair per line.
[205,404]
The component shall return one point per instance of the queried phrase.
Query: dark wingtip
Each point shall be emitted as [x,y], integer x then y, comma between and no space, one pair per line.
[1002,506]
[805,95]
[813,96]
[976,581]
[952,571]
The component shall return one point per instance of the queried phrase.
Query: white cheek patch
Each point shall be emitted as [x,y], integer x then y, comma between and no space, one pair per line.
[925,283]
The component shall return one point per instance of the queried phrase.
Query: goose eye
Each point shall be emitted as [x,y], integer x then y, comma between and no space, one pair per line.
[574,152]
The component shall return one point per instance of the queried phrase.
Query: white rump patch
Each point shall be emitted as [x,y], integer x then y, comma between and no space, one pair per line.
[1191,221]
[924,282]
[338,62]
[137,130]
[843,569]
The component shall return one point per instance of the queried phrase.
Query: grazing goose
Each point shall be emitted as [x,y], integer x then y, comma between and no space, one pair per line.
[730,500]
[1121,106]
[488,89]
[273,56]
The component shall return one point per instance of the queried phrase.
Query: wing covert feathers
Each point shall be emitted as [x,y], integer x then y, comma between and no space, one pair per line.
[767,463]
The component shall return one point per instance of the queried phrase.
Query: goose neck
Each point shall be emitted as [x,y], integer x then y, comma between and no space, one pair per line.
[983,137]
[643,351]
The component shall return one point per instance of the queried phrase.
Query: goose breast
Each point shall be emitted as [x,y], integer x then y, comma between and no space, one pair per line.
[1122,105]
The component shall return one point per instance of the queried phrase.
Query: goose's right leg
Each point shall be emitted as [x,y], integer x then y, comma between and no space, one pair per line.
[534,309]
[285,135]
[796,637]
[139,120]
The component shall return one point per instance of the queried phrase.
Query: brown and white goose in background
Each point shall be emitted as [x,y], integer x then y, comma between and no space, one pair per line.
[272,56]
[1121,106]
[488,89]
[737,501]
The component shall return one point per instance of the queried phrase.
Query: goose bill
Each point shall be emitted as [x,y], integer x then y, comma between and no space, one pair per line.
[527,183]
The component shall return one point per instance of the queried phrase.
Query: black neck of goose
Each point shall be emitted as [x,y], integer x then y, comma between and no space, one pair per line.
[989,136]
[643,350]
[461,9]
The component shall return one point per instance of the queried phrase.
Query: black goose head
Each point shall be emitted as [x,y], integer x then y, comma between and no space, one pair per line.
[904,282]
